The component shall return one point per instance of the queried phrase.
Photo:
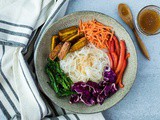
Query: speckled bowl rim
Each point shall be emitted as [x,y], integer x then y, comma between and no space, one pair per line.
[83,12]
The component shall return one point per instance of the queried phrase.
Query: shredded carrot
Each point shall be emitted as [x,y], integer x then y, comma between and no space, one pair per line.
[96,33]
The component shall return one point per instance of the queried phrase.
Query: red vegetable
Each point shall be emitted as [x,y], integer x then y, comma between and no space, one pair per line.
[110,59]
[128,55]
[120,75]
[115,59]
[122,55]
[109,44]
[117,47]
[112,46]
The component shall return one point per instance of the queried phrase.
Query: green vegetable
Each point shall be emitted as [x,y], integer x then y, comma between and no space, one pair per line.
[59,81]
[52,80]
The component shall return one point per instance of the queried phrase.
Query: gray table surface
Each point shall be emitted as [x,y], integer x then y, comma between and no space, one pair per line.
[143,101]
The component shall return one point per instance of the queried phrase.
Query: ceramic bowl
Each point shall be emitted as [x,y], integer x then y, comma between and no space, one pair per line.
[43,48]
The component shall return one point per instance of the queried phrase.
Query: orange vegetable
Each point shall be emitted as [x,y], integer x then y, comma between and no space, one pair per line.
[110,59]
[120,83]
[122,55]
[112,46]
[96,33]
[128,55]
[120,75]
[117,47]
[109,44]
[115,59]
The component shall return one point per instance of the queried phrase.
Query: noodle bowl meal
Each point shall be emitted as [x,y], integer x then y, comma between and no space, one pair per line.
[87,63]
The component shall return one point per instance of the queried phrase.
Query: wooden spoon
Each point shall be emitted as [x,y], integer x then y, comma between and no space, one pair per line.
[126,15]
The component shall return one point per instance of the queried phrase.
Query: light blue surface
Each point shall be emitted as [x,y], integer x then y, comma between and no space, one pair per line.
[143,101]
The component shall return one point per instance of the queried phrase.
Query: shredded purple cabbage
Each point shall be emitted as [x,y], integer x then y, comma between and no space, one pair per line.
[91,93]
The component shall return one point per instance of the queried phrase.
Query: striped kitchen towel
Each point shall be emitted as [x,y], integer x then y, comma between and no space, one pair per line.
[20,22]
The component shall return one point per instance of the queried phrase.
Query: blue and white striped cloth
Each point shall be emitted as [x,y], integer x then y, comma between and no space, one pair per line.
[20,25]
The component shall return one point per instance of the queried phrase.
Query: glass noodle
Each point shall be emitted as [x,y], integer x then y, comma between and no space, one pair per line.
[85,64]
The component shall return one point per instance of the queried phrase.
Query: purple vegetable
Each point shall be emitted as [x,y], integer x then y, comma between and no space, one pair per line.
[75,98]
[113,89]
[91,93]
[80,87]
[94,86]
[107,90]
[109,75]
[86,99]
[103,83]
[101,98]
[93,100]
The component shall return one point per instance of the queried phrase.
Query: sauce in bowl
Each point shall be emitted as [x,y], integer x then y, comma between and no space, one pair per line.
[149,21]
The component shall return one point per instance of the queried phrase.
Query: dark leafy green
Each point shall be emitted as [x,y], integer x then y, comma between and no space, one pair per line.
[59,81]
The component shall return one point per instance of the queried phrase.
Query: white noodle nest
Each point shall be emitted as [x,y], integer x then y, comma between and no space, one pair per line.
[85,64]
